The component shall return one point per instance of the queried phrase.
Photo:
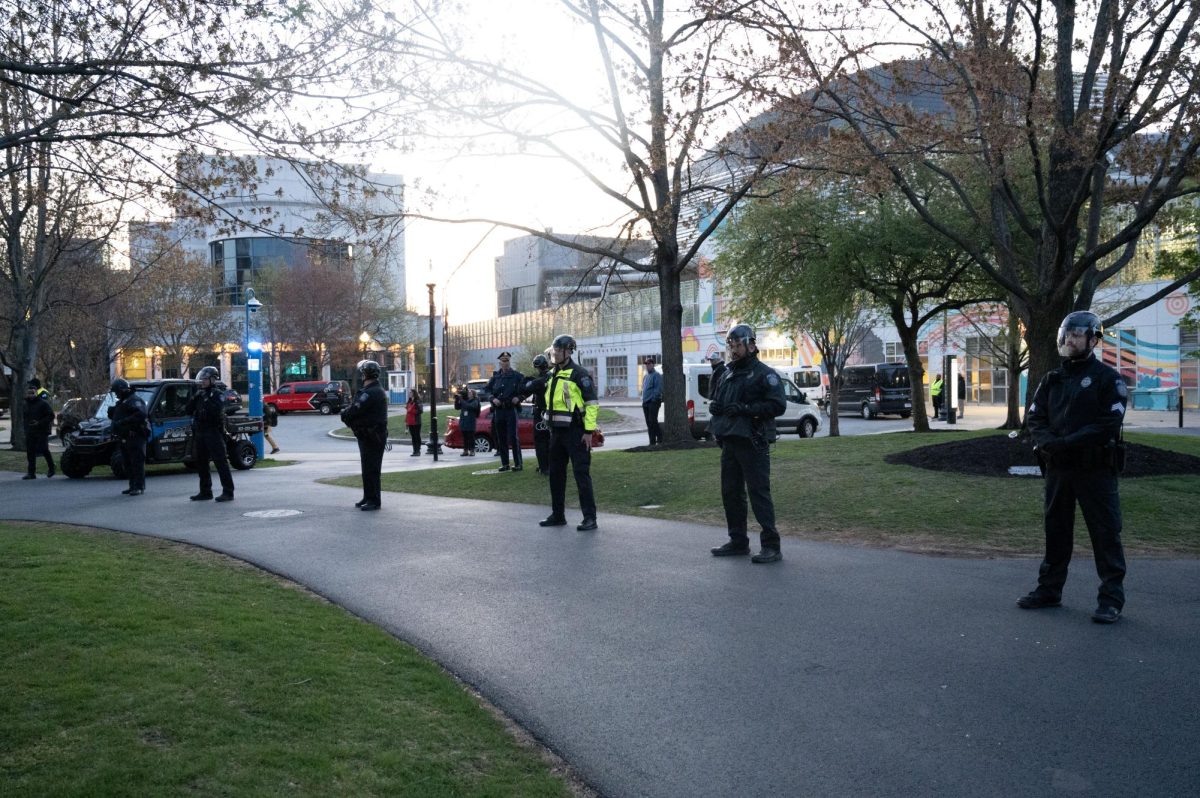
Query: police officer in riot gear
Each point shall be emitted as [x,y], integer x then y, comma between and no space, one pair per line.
[207,408]
[130,428]
[367,417]
[573,407]
[505,389]
[743,409]
[39,418]
[1075,421]
[535,389]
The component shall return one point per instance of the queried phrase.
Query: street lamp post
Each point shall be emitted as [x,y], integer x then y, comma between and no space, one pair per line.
[433,425]
[253,351]
[364,338]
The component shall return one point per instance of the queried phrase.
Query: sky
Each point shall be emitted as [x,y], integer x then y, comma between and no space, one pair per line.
[541,193]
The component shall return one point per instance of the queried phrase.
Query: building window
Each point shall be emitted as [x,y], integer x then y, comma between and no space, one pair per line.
[239,261]
[616,372]
[893,352]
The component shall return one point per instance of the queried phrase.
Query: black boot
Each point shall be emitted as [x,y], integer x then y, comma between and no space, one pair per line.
[731,549]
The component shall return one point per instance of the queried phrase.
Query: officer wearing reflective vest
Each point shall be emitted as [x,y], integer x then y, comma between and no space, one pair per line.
[1075,421]
[573,407]
[743,411]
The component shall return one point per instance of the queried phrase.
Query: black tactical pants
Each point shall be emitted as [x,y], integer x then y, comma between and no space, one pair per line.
[504,430]
[371,445]
[133,450]
[38,445]
[650,413]
[566,444]
[1095,489]
[746,466]
[210,446]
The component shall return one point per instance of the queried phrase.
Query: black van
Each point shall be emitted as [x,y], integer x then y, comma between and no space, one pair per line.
[875,389]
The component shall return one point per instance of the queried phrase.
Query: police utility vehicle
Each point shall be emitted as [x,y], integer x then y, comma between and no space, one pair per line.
[93,444]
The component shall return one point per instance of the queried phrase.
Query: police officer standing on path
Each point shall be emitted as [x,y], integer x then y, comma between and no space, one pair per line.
[535,389]
[652,401]
[505,389]
[718,371]
[129,426]
[39,418]
[743,411]
[1075,422]
[571,400]
[367,417]
[207,408]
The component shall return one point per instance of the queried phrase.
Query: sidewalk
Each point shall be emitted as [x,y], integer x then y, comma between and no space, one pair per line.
[656,670]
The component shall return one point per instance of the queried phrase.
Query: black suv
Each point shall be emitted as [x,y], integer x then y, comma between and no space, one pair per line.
[880,388]
[92,444]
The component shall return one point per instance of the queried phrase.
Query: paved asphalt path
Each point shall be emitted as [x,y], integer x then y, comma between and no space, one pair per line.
[657,670]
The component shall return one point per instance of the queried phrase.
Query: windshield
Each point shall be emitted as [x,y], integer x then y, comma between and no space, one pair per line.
[110,399]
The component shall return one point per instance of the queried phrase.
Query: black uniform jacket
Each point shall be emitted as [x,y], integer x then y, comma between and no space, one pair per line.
[749,397]
[129,417]
[39,416]
[468,413]
[207,407]
[368,411]
[505,386]
[1077,410]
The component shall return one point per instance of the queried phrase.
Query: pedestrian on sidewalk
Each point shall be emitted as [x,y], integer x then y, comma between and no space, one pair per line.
[1075,421]
[571,400]
[367,416]
[962,393]
[412,419]
[39,418]
[270,420]
[652,401]
[466,402]
[935,392]
[743,411]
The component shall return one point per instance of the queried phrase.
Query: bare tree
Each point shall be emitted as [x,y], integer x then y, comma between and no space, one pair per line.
[673,86]
[1080,117]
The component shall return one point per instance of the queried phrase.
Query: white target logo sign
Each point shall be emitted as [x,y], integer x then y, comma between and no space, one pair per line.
[1177,304]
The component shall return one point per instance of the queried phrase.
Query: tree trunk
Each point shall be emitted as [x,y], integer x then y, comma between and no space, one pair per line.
[916,377]
[675,427]
[1041,338]
[834,430]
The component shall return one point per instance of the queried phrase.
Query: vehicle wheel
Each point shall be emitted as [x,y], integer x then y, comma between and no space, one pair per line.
[190,465]
[73,465]
[905,415]
[242,455]
[325,408]
[483,444]
[808,428]
[867,412]
[117,464]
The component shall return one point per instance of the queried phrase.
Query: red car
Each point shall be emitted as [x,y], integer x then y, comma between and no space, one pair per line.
[485,441]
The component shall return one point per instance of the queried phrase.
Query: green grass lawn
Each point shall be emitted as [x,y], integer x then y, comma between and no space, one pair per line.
[134,666]
[841,489]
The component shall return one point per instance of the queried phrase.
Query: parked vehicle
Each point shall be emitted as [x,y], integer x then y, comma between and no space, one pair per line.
[74,412]
[802,416]
[92,444]
[324,396]
[485,441]
[876,389]
[810,380]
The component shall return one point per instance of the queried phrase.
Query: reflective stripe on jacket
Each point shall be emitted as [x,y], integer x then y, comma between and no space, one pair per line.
[571,394]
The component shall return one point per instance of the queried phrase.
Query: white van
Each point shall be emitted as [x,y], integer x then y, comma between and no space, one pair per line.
[809,380]
[802,416]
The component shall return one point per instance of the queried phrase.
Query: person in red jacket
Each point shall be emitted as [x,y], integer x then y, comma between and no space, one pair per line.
[412,417]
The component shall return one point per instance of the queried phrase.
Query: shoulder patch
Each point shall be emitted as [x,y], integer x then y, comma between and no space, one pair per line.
[772,379]
[586,381]
[1085,382]
[362,397]
[1122,390]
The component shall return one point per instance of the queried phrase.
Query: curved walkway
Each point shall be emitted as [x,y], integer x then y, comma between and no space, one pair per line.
[656,670]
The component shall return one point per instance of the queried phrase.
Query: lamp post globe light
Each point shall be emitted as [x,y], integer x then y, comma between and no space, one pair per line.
[254,370]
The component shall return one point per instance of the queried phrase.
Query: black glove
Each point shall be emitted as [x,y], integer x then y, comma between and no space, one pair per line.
[1052,447]
[737,409]
[716,408]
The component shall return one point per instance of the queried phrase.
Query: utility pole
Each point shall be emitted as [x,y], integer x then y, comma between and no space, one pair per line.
[432,362]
